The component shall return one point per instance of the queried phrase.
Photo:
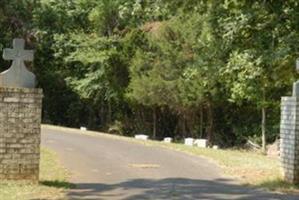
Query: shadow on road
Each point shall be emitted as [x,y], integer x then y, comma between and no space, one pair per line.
[58,184]
[171,188]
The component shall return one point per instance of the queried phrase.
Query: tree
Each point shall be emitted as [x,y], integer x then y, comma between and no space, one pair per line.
[260,56]
[179,67]
[170,66]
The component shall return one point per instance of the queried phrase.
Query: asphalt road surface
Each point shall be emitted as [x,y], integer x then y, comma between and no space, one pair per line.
[109,168]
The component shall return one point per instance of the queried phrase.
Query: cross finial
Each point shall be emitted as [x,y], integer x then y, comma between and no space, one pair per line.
[18,52]
[17,75]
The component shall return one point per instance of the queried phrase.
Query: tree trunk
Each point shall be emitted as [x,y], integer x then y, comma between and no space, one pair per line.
[189,119]
[109,114]
[102,113]
[188,124]
[184,128]
[154,123]
[90,121]
[210,123]
[201,122]
[264,129]
[182,125]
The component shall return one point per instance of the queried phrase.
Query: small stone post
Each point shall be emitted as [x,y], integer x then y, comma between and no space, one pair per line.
[20,117]
[289,135]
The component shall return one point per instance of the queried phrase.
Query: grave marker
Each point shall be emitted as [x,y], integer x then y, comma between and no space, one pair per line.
[141,137]
[203,143]
[189,141]
[167,140]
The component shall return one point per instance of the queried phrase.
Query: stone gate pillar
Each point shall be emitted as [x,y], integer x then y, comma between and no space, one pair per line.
[20,117]
[289,138]
[20,120]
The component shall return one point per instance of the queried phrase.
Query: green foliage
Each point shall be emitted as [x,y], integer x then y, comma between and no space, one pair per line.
[189,67]
[247,76]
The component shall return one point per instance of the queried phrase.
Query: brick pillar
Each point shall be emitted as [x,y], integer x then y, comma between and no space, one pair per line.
[20,120]
[289,134]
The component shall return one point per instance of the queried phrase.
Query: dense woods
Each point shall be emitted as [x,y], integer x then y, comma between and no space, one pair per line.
[201,68]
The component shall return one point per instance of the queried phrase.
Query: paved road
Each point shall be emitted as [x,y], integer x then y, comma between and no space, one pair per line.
[109,168]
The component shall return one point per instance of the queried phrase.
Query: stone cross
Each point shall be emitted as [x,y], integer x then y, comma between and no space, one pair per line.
[17,75]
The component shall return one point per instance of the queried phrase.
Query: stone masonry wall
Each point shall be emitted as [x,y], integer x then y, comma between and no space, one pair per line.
[289,135]
[20,120]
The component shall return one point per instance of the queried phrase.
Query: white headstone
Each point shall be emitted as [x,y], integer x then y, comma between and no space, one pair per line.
[215,147]
[17,75]
[83,128]
[201,143]
[141,137]
[167,140]
[189,141]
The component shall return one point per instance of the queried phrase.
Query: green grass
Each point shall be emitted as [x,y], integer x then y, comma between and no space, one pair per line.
[250,168]
[52,185]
